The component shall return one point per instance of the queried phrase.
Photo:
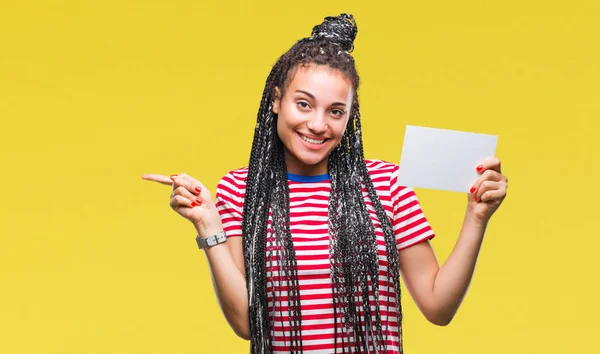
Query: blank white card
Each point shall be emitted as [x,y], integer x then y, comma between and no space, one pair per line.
[443,159]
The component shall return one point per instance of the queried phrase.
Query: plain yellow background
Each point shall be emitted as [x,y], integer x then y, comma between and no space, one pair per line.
[95,93]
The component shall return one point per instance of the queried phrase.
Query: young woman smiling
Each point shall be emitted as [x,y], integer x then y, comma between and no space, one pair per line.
[317,236]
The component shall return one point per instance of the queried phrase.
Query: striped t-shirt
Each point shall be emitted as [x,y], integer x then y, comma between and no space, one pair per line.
[308,224]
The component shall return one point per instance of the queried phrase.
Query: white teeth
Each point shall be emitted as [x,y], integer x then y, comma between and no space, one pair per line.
[312,141]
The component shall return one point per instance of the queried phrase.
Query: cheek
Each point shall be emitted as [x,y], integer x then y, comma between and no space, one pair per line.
[340,128]
[288,116]
[286,120]
[279,127]
[282,128]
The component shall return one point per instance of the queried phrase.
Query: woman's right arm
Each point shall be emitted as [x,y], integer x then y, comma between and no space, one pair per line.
[226,262]
[193,201]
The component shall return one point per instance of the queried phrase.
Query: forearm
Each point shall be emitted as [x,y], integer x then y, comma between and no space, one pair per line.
[453,278]
[230,287]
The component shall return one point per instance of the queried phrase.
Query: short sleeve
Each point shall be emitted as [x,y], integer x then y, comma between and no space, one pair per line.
[230,203]
[409,221]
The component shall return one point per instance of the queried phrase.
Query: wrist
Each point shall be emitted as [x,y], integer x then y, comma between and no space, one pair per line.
[472,219]
[204,230]
[211,241]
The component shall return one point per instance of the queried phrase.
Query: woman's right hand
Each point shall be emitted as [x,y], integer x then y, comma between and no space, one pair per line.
[191,199]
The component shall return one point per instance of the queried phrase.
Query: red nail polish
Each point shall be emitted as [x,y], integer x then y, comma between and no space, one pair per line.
[479,168]
[475,198]
[198,201]
[193,204]
[472,190]
[198,189]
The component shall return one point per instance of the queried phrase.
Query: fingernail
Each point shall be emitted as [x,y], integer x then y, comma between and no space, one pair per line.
[198,189]
[173,176]
[479,168]
[193,204]
[472,190]
[475,198]
[198,201]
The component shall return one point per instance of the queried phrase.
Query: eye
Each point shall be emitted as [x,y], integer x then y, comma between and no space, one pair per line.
[303,105]
[337,112]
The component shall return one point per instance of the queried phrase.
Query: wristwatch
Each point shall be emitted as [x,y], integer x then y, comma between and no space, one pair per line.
[205,242]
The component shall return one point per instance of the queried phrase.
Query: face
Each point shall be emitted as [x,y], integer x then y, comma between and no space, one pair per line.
[312,117]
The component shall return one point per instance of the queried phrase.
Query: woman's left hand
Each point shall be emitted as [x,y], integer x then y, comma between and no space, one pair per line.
[488,192]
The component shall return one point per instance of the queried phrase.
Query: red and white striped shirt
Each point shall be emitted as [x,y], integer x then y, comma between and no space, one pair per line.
[308,224]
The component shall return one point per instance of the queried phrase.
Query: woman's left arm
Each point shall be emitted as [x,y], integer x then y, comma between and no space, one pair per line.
[439,291]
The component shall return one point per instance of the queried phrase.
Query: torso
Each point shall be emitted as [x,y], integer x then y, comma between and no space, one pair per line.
[309,229]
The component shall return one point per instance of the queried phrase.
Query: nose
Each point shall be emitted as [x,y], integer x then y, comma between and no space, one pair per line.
[317,124]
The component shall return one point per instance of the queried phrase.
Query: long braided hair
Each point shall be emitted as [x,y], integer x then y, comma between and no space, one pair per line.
[354,260]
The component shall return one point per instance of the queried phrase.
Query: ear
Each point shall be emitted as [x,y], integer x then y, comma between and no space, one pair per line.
[276,100]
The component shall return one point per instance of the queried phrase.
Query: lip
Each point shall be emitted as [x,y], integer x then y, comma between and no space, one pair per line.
[311,146]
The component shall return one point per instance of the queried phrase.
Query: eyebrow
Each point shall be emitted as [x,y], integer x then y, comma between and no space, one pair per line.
[313,97]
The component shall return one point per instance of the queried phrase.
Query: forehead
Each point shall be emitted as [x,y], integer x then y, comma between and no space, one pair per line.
[321,81]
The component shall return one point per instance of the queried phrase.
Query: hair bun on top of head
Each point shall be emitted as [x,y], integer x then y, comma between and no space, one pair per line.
[340,29]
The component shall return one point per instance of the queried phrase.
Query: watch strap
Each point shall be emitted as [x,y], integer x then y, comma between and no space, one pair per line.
[206,242]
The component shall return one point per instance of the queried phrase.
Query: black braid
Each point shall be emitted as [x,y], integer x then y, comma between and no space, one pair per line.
[353,251]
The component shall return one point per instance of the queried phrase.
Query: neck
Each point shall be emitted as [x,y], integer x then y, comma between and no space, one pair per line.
[297,167]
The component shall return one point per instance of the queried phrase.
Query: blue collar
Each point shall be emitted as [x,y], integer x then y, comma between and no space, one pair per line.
[300,178]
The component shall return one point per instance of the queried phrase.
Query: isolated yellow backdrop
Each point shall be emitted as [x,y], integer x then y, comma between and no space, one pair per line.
[95,93]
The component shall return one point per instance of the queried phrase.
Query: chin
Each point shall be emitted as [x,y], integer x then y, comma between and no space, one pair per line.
[311,160]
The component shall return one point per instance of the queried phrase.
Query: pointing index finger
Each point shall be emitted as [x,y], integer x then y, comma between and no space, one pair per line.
[158,178]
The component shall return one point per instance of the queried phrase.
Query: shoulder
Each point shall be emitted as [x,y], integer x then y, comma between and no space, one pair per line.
[382,175]
[381,169]
[385,174]
[234,181]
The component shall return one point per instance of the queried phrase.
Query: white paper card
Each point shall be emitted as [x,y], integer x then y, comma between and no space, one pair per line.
[443,159]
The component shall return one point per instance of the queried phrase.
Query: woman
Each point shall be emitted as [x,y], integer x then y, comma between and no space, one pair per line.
[325,234]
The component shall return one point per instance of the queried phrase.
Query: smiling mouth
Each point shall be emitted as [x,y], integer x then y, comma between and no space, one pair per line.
[312,141]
